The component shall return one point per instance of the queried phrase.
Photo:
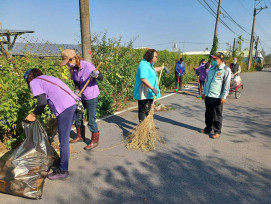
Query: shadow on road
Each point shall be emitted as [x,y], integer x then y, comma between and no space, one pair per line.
[125,125]
[179,175]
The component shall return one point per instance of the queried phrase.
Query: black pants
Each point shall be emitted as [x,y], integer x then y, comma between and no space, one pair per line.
[144,107]
[213,114]
[178,83]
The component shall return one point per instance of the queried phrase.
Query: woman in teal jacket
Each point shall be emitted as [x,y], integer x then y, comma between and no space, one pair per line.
[146,83]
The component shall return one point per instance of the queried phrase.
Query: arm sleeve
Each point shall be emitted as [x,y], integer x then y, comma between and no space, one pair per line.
[226,84]
[100,77]
[176,67]
[42,102]
[204,87]
[143,72]
[239,70]
[198,71]
[76,85]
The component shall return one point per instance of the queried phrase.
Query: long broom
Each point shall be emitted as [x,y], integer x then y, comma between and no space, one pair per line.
[144,136]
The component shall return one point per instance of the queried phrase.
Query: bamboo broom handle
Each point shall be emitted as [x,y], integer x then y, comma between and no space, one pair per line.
[158,82]
[89,80]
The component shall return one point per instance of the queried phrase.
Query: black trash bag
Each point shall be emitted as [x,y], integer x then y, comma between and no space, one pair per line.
[23,170]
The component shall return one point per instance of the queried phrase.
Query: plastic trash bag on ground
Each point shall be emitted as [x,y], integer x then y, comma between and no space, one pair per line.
[23,170]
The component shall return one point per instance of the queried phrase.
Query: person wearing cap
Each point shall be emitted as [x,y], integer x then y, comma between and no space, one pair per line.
[179,71]
[81,71]
[235,67]
[145,88]
[46,89]
[215,92]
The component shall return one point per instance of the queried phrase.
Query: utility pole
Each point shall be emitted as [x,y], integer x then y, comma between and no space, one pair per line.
[256,49]
[85,29]
[216,25]
[233,48]
[252,32]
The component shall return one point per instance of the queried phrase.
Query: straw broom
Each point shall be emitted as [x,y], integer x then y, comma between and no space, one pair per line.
[144,136]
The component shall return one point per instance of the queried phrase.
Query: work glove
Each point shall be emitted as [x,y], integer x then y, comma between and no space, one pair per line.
[94,74]
[155,91]
[76,91]
[166,69]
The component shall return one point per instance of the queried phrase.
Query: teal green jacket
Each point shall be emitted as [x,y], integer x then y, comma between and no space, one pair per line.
[217,83]
[145,70]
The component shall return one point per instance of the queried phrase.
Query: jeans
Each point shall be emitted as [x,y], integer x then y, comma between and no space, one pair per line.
[64,123]
[213,114]
[144,107]
[201,85]
[91,106]
[178,82]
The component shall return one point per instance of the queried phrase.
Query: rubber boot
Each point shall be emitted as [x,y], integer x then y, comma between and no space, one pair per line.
[94,141]
[83,133]
[78,138]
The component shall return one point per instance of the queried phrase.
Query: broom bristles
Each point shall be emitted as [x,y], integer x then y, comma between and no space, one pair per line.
[144,135]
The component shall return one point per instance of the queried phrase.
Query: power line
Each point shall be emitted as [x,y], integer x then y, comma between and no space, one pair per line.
[212,12]
[229,16]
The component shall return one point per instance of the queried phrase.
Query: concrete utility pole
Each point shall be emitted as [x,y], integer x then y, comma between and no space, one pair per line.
[252,32]
[256,49]
[217,19]
[233,47]
[85,29]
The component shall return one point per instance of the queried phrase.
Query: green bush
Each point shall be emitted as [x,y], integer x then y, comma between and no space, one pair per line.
[119,70]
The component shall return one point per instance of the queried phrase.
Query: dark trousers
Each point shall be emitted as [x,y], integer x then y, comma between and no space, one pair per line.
[91,106]
[144,107]
[64,123]
[178,82]
[201,85]
[213,114]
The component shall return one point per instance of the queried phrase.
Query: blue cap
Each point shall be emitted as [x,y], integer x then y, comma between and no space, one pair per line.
[26,74]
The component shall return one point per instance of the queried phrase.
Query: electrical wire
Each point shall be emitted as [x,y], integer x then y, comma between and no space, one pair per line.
[213,13]
[232,20]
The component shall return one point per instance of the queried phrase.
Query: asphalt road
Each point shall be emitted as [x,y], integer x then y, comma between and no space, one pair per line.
[189,168]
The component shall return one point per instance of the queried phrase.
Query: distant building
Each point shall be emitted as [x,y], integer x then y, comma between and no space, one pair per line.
[206,52]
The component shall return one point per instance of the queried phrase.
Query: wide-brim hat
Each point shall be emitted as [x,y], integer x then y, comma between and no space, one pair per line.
[66,55]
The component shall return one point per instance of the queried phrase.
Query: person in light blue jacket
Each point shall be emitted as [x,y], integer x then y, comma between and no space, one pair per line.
[215,92]
[179,71]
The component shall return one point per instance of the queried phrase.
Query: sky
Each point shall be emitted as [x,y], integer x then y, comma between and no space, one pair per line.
[152,23]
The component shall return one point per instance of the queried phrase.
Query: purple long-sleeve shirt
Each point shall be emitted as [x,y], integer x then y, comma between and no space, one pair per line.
[202,72]
[82,76]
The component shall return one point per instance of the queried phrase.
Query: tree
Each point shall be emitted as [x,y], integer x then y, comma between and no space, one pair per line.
[215,46]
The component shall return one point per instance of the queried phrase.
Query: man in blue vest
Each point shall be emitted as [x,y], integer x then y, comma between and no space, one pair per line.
[215,92]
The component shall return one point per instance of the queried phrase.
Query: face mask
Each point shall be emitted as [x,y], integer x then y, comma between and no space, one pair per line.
[71,65]
[234,62]
[214,63]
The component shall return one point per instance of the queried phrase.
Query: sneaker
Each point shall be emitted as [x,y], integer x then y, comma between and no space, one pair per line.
[204,131]
[58,174]
[215,136]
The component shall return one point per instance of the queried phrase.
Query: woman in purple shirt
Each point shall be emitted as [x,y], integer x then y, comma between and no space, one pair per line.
[62,101]
[81,71]
[202,72]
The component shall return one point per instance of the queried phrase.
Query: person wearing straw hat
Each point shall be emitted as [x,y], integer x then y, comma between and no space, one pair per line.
[62,102]
[81,71]
[145,88]
[215,92]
